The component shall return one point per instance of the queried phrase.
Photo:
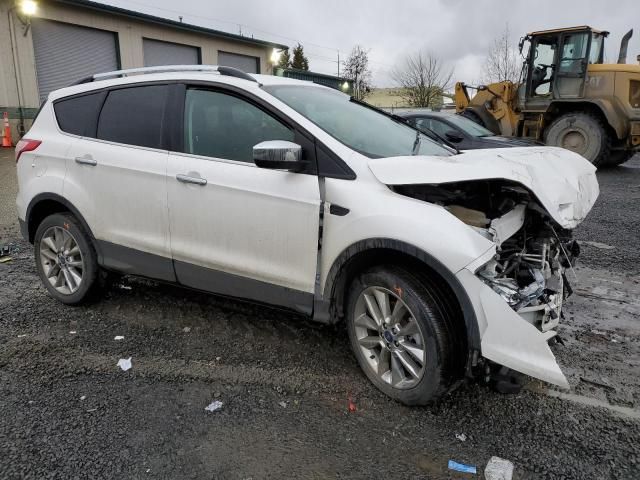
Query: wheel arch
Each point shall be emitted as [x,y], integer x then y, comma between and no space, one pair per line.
[45,204]
[363,254]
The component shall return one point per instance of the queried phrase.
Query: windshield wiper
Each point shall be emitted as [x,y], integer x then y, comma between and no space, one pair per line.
[416,143]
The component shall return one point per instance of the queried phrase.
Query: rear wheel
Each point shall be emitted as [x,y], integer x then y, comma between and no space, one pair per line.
[582,133]
[65,259]
[401,334]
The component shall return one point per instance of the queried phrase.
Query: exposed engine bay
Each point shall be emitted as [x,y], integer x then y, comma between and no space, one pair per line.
[532,250]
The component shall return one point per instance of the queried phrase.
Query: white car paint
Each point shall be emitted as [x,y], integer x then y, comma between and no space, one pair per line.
[263,224]
[563,181]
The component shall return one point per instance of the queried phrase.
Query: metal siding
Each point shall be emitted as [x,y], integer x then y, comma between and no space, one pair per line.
[157,52]
[65,53]
[245,63]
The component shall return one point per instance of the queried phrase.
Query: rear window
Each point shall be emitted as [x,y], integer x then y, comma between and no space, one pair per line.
[79,115]
[134,116]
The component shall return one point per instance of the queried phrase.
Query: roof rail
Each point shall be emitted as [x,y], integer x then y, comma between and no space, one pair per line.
[220,69]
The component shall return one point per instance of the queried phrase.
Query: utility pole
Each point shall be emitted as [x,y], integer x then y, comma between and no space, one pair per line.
[338,63]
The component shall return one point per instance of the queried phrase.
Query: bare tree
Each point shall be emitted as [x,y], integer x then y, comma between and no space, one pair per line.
[502,62]
[423,78]
[356,69]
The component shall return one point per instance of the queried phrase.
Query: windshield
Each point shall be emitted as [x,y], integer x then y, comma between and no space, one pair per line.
[365,130]
[469,126]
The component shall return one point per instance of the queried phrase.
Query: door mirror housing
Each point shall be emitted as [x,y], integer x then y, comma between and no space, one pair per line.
[279,155]
[453,136]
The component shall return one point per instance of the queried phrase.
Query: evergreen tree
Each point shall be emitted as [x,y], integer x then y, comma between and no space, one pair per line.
[299,62]
[285,59]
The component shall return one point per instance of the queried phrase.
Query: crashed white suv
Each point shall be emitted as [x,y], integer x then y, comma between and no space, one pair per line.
[442,264]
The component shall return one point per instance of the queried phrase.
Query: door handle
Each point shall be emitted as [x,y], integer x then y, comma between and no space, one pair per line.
[190,179]
[87,160]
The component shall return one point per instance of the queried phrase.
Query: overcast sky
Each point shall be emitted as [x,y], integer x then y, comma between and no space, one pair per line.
[460,32]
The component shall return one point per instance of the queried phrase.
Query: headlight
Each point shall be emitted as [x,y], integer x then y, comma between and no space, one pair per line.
[634,96]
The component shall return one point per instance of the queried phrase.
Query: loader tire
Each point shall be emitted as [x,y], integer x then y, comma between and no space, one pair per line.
[582,133]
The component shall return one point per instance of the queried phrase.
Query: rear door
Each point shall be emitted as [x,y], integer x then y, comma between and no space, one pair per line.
[116,176]
[237,229]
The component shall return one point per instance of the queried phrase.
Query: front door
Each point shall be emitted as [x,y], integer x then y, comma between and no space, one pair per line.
[571,70]
[237,229]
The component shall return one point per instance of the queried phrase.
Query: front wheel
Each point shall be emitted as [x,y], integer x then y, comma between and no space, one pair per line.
[582,133]
[401,333]
[65,259]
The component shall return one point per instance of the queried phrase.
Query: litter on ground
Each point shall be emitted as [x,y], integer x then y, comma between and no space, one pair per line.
[283,404]
[461,467]
[186,329]
[83,397]
[213,406]
[498,469]
[461,436]
[118,337]
[73,332]
[6,259]
[124,363]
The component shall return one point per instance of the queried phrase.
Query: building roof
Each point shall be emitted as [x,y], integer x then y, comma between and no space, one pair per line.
[169,23]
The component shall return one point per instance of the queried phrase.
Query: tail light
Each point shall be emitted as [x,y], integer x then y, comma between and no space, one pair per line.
[26,145]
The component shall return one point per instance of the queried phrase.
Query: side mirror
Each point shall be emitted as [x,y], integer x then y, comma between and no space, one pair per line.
[279,155]
[453,136]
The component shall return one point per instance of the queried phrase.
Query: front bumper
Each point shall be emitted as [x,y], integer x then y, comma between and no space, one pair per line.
[507,338]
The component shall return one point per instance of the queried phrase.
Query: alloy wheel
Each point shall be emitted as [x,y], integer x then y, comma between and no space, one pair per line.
[61,260]
[389,337]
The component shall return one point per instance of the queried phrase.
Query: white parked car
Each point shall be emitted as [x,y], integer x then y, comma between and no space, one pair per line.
[288,193]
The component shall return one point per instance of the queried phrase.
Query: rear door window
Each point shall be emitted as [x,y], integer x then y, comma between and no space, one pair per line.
[134,116]
[79,115]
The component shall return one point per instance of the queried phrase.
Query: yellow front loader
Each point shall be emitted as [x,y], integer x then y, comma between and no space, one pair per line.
[567,97]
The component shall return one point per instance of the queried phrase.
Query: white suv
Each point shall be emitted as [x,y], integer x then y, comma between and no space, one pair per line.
[442,264]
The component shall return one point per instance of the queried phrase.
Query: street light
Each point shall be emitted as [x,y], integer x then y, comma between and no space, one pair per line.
[28,8]
[345,86]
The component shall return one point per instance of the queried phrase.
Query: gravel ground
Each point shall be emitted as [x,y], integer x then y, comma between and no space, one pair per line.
[67,411]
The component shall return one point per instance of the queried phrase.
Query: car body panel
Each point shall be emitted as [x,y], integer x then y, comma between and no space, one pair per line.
[564,182]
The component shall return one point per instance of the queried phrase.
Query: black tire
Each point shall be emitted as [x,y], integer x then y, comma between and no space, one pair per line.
[618,157]
[582,133]
[90,269]
[434,314]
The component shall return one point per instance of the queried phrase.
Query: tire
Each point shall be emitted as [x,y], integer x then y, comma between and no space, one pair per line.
[619,157]
[76,258]
[582,133]
[427,312]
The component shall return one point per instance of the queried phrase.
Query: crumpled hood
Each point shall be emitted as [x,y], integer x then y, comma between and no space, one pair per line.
[563,181]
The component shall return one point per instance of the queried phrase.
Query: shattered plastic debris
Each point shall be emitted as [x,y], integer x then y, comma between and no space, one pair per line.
[283,404]
[461,436]
[498,469]
[83,397]
[124,363]
[461,467]
[124,287]
[73,332]
[118,337]
[186,329]
[213,406]
[22,336]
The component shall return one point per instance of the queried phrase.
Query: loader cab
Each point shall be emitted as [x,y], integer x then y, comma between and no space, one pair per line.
[556,65]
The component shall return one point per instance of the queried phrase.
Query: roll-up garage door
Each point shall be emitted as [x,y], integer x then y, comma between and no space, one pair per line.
[66,53]
[157,52]
[245,63]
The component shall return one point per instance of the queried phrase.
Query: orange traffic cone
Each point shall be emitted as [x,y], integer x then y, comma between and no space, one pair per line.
[6,136]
